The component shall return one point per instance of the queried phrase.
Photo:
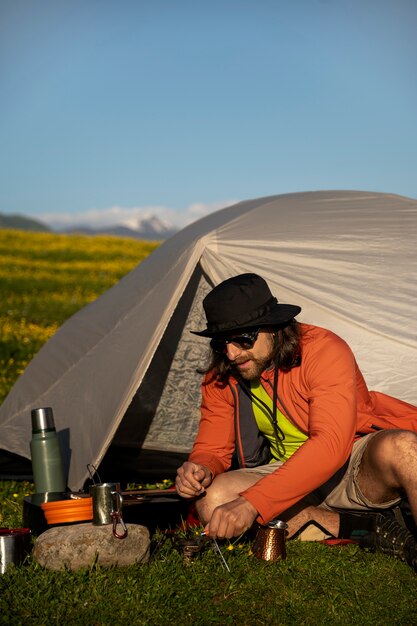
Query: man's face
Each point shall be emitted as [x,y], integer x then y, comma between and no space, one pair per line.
[251,363]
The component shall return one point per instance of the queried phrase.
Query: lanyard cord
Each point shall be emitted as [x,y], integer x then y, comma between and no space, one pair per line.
[279,435]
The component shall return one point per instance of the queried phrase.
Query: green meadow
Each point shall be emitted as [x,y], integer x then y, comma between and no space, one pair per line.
[45,278]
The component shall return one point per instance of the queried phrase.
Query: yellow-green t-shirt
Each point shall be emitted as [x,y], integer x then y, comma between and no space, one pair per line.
[293,437]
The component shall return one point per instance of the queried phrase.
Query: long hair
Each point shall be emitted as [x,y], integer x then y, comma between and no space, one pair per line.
[286,353]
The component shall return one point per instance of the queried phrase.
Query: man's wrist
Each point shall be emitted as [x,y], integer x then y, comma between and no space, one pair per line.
[250,506]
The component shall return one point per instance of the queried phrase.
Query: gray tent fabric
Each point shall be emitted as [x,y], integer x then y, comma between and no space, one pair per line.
[348,258]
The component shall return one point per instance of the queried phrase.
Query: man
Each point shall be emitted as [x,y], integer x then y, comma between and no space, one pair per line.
[288,403]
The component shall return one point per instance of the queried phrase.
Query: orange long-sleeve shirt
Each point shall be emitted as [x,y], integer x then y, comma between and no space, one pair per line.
[326,397]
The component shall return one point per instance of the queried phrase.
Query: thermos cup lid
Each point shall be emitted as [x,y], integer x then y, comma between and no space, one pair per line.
[42,419]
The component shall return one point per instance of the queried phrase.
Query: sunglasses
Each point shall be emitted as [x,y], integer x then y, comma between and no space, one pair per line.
[244,341]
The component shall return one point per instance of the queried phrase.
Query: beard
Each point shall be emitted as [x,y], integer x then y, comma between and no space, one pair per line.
[253,369]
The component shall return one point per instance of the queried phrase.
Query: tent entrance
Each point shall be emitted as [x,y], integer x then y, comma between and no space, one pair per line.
[158,429]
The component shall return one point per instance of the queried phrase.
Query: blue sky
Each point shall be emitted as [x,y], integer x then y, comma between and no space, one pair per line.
[113,109]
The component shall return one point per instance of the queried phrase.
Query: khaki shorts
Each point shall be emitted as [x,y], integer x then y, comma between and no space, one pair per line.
[347,494]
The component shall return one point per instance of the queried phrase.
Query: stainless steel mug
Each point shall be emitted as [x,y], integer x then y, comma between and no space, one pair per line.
[107,506]
[269,543]
[14,546]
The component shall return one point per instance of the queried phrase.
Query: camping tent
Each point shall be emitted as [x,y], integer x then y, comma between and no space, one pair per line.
[121,374]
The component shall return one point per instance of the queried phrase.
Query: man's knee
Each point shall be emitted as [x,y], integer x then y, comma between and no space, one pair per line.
[391,447]
[389,457]
[224,488]
[219,492]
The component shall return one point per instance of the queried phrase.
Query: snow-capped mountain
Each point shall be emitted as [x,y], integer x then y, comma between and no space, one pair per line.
[152,228]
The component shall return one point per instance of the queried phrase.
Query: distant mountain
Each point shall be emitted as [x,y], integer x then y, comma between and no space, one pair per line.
[19,222]
[151,228]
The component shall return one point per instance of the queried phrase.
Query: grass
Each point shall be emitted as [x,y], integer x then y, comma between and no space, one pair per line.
[43,280]
[315,585]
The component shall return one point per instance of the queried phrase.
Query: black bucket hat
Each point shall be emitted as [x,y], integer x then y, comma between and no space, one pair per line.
[241,302]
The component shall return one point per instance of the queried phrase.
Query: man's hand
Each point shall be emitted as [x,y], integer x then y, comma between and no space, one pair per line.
[232,519]
[192,479]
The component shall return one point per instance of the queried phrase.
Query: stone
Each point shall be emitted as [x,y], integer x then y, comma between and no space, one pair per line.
[80,545]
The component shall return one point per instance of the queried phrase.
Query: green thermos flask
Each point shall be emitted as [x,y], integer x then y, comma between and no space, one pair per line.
[47,464]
